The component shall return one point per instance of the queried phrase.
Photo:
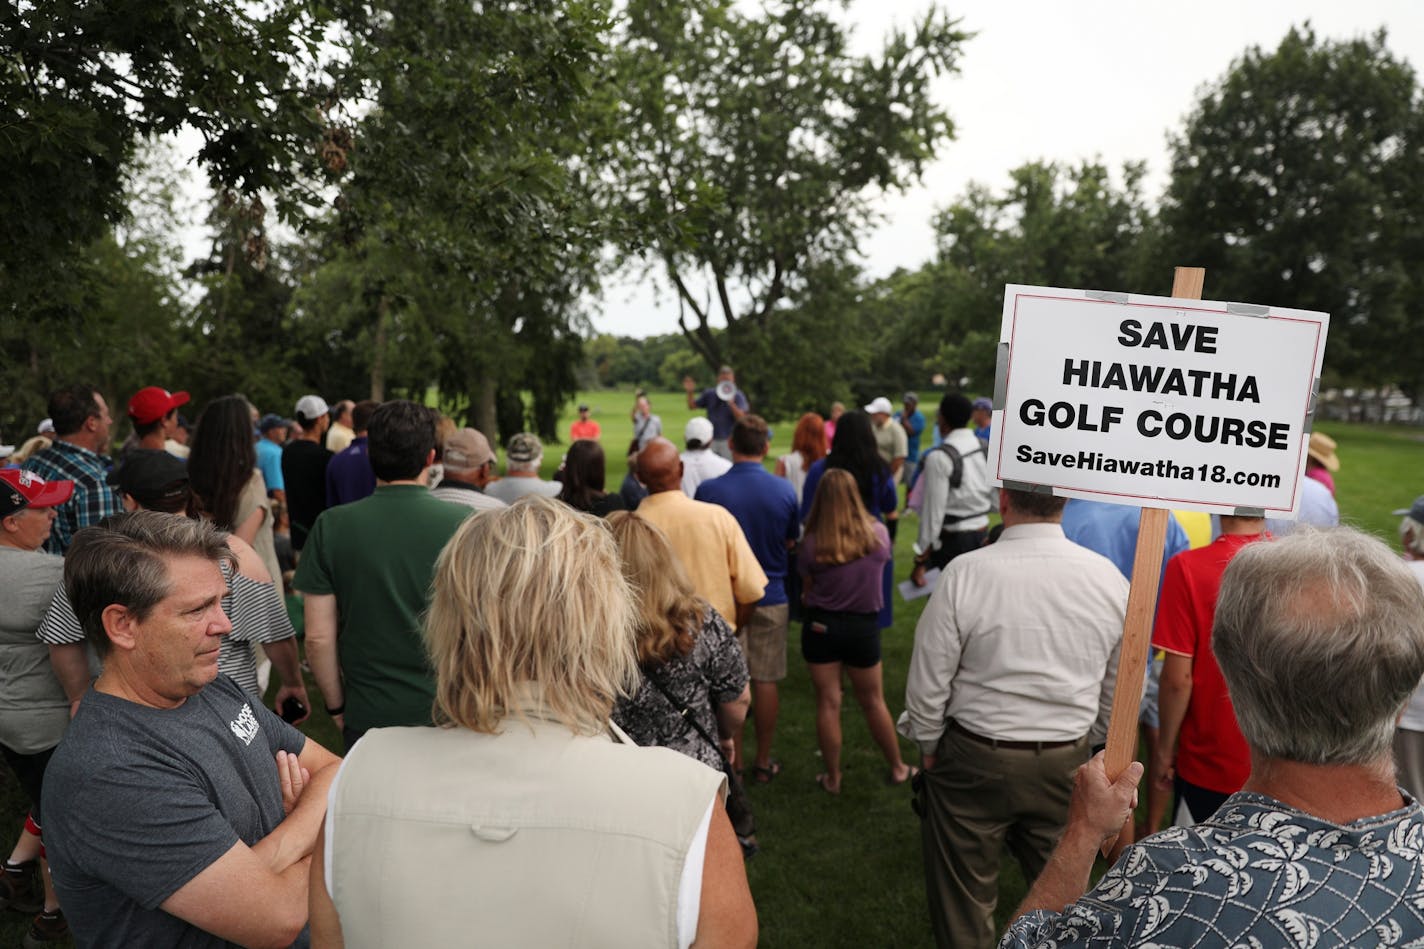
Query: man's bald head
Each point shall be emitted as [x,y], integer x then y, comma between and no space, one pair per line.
[660,467]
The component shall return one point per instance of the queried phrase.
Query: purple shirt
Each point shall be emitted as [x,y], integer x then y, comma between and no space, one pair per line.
[765,507]
[853,587]
[348,474]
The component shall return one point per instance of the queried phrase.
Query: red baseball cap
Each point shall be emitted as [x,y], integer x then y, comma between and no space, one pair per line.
[152,403]
[20,489]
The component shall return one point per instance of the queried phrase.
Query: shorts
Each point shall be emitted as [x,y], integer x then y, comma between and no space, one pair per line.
[29,772]
[763,642]
[851,638]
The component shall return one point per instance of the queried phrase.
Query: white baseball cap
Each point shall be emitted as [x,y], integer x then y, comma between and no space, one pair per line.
[312,407]
[881,406]
[698,430]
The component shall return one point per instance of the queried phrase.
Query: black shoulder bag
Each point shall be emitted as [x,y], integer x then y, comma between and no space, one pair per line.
[739,806]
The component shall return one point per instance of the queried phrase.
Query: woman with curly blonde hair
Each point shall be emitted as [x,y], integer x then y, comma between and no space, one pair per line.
[695,689]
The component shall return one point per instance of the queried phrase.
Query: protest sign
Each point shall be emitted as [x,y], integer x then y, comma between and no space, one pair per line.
[1156,401]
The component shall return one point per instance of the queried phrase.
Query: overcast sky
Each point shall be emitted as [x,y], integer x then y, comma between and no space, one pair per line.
[1043,79]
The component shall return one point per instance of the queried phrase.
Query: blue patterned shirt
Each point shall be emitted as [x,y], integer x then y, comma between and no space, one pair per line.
[1257,874]
[93,499]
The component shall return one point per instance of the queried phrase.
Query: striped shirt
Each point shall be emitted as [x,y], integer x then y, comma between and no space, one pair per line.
[256,611]
[93,499]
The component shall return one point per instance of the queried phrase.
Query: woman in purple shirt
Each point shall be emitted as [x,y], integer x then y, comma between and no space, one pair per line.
[842,557]
[854,451]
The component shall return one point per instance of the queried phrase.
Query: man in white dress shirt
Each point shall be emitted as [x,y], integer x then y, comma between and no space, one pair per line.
[1010,687]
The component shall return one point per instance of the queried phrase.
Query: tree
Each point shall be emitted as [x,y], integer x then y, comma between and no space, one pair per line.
[83,83]
[464,216]
[1297,182]
[108,312]
[746,149]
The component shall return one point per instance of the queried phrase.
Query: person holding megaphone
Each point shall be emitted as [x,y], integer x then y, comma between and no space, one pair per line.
[724,403]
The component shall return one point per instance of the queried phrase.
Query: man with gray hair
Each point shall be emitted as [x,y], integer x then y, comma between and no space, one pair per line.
[523,456]
[179,810]
[1321,642]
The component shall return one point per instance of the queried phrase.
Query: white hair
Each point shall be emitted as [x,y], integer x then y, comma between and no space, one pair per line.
[1320,637]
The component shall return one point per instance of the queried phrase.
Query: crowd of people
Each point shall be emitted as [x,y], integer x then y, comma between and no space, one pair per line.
[552,696]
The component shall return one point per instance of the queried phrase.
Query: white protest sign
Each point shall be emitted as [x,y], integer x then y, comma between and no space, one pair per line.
[1157,401]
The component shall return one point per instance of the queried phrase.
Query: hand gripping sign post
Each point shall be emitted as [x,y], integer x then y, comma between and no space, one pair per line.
[1156,401]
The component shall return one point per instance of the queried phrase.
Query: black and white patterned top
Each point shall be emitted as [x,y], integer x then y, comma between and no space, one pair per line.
[255,609]
[1257,874]
[715,671]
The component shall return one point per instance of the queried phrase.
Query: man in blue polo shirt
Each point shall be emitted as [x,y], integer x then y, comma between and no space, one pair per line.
[765,507]
[723,413]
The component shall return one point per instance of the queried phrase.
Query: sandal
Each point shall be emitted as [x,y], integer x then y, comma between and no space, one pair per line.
[823,781]
[763,775]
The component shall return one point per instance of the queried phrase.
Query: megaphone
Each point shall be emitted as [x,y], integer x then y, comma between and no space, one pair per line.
[726,390]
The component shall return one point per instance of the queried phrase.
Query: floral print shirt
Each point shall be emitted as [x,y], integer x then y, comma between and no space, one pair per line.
[715,671]
[1258,874]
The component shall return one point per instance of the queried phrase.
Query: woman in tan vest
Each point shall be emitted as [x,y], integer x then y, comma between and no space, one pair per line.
[525,818]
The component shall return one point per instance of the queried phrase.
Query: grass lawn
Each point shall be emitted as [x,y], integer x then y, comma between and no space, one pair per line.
[845,871]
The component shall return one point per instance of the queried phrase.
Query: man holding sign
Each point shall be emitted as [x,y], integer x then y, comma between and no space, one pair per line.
[1319,848]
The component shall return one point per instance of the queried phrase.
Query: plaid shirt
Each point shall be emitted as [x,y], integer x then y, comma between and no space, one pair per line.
[93,499]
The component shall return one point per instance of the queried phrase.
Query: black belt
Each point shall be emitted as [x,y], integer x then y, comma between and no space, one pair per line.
[1010,745]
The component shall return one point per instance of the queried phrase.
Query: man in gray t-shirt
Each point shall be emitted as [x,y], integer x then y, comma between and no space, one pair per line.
[144,798]
[182,811]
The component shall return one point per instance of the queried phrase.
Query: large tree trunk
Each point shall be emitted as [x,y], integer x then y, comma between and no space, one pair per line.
[482,407]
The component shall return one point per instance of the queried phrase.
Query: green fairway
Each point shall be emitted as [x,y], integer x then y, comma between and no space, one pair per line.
[845,871]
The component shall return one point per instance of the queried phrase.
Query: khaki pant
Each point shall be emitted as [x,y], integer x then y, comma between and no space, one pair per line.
[974,801]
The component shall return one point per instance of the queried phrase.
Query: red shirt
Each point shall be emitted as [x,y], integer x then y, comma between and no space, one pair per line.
[581,429]
[1210,751]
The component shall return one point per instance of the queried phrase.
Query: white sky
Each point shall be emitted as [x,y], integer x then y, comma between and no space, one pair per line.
[1044,79]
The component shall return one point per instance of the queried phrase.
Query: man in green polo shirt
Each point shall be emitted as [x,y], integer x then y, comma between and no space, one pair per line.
[365,573]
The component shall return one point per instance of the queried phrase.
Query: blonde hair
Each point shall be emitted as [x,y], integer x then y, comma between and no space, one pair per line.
[843,528]
[669,612]
[444,427]
[32,446]
[530,593]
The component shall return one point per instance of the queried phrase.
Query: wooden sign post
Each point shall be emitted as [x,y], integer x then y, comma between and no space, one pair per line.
[1141,605]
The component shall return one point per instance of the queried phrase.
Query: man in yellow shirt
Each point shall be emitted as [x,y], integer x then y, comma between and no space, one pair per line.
[706,537]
